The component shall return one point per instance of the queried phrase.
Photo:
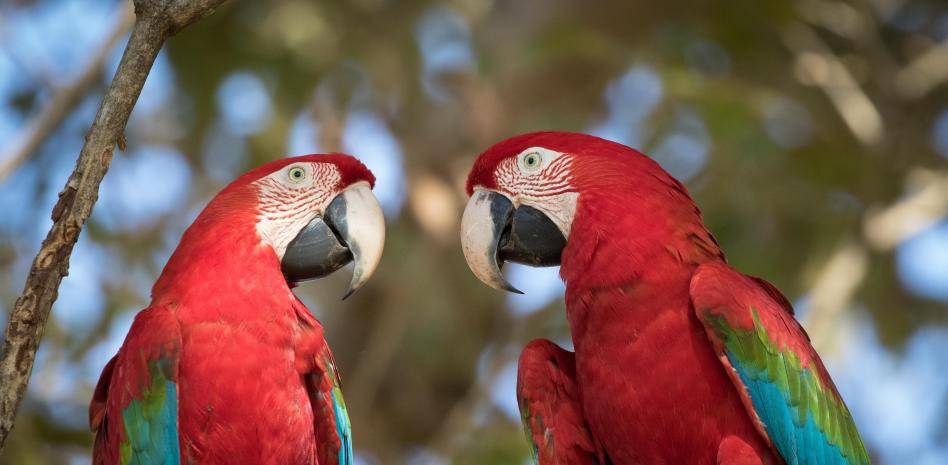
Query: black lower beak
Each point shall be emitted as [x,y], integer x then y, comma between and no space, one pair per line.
[531,238]
[318,249]
[351,229]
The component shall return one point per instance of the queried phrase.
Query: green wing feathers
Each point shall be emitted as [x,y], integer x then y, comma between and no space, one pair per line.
[134,411]
[330,416]
[771,361]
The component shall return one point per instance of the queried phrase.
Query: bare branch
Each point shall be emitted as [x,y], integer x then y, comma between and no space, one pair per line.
[64,100]
[156,20]
[386,335]
[883,230]
[817,65]
[925,73]
[834,288]
[925,203]
[460,420]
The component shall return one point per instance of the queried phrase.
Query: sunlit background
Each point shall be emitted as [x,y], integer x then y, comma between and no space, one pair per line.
[813,134]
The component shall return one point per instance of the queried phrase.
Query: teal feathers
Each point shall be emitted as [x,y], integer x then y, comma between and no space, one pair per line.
[802,414]
[151,422]
[343,428]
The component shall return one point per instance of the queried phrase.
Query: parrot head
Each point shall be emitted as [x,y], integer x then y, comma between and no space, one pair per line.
[316,213]
[546,198]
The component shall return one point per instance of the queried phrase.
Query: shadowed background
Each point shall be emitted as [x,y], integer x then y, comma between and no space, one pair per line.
[813,135]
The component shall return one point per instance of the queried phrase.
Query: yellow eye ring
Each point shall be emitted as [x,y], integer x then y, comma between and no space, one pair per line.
[531,161]
[296,174]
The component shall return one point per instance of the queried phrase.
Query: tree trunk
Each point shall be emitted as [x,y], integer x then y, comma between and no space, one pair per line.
[156,20]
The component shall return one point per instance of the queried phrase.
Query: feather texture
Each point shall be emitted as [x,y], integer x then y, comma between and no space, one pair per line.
[657,383]
[226,365]
[786,387]
[331,419]
[550,407]
[135,407]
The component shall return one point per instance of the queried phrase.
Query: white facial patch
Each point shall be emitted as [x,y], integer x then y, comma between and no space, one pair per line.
[541,178]
[561,209]
[290,198]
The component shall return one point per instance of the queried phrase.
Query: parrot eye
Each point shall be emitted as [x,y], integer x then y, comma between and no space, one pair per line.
[531,161]
[296,174]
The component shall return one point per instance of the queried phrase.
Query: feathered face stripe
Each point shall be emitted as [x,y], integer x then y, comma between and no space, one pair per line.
[541,178]
[290,198]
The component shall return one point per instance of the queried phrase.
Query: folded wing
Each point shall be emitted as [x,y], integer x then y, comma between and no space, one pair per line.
[550,408]
[784,385]
[134,410]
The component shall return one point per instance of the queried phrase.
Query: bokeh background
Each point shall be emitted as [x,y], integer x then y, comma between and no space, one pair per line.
[813,134]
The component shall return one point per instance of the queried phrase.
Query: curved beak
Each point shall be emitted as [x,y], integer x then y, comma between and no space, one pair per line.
[351,229]
[494,231]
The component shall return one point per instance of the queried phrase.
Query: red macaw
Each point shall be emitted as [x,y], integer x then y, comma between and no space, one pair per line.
[679,359]
[226,365]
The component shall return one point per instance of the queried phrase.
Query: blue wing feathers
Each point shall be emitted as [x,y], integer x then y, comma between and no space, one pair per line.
[789,436]
[343,429]
[151,428]
[777,371]
[170,421]
[134,411]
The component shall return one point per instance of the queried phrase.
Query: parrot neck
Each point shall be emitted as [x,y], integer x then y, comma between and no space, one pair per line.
[647,247]
[633,223]
[221,269]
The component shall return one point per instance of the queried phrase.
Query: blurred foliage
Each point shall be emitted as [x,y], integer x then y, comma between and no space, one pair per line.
[743,90]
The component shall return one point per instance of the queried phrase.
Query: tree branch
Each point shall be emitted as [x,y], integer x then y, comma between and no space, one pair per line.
[459,421]
[924,73]
[925,203]
[817,65]
[156,20]
[64,100]
[836,284]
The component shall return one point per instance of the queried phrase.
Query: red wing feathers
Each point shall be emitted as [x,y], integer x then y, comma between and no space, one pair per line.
[550,408]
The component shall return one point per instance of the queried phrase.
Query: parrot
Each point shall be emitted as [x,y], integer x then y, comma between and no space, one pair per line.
[226,365]
[678,358]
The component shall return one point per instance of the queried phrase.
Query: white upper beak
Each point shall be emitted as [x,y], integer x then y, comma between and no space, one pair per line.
[364,230]
[485,217]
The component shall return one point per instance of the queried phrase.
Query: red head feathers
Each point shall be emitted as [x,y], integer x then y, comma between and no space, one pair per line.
[595,192]
[277,218]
